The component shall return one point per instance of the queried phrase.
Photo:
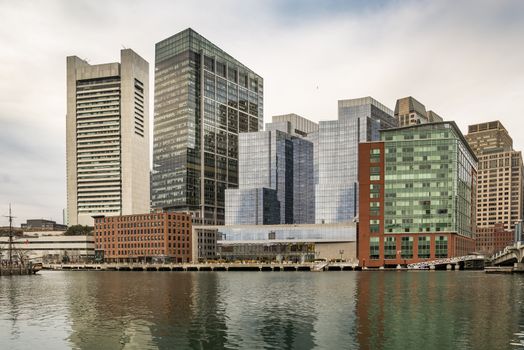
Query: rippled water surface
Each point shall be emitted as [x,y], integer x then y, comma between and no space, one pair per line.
[269,310]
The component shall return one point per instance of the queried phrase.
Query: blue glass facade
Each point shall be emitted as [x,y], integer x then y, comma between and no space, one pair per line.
[274,159]
[336,192]
[252,206]
[304,233]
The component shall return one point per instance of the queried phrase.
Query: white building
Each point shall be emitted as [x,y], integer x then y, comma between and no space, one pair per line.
[50,246]
[107,127]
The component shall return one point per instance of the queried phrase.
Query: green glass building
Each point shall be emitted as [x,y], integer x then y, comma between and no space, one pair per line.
[417,195]
[203,99]
[429,180]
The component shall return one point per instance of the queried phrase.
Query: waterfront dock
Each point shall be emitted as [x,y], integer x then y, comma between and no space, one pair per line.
[275,267]
[17,270]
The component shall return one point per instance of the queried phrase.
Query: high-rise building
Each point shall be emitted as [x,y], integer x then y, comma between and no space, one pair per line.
[203,99]
[417,195]
[336,192]
[294,124]
[500,185]
[276,178]
[107,127]
[409,111]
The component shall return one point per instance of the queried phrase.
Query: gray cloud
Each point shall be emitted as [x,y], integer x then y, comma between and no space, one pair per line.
[461,59]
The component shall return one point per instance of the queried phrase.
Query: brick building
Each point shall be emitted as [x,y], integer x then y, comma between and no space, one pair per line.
[417,191]
[492,239]
[162,237]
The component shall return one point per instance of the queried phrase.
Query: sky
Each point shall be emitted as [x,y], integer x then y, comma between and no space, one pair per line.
[462,59]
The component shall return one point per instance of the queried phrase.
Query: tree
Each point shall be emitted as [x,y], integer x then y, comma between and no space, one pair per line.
[79,230]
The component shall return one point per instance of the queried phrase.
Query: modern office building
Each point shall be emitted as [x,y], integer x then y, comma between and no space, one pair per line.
[151,237]
[417,195]
[301,242]
[204,99]
[107,138]
[293,124]
[252,206]
[409,111]
[336,191]
[276,177]
[500,185]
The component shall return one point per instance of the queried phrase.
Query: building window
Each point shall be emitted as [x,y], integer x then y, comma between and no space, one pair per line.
[374,226]
[406,247]
[390,248]
[423,247]
[374,177]
[374,248]
[441,247]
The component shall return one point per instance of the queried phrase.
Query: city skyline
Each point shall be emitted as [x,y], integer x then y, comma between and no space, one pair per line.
[458,65]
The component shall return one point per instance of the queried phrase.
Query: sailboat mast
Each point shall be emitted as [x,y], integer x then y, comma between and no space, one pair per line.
[10,237]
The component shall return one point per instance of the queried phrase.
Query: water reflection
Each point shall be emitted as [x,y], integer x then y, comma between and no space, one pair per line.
[437,310]
[246,310]
[210,310]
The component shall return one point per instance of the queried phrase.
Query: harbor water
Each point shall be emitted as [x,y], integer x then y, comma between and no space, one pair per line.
[262,310]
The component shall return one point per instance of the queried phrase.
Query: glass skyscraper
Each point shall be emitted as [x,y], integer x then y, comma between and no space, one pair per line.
[273,160]
[336,190]
[203,99]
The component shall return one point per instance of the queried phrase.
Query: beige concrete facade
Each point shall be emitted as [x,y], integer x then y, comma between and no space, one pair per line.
[500,176]
[107,138]
[409,111]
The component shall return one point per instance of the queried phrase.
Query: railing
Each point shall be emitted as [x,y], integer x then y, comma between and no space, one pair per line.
[506,250]
[444,261]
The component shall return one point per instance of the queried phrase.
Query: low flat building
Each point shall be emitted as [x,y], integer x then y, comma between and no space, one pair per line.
[301,242]
[154,237]
[42,224]
[51,247]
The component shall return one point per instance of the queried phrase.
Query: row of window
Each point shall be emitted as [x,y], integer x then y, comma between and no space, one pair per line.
[406,250]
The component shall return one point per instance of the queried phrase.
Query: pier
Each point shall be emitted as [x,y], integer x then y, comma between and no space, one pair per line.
[263,267]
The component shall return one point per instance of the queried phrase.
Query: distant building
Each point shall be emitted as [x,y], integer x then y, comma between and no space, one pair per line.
[417,195]
[492,239]
[42,224]
[276,176]
[293,124]
[107,132]
[409,111]
[155,237]
[500,185]
[52,247]
[203,99]
[336,191]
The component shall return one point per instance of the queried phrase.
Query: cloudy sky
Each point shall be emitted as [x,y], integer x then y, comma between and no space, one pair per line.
[464,60]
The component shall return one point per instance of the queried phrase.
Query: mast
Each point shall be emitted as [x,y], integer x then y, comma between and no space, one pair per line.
[10,249]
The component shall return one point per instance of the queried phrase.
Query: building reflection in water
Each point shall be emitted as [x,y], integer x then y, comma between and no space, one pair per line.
[436,310]
[145,310]
[111,310]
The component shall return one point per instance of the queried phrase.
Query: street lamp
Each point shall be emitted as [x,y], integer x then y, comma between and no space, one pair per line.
[341,251]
